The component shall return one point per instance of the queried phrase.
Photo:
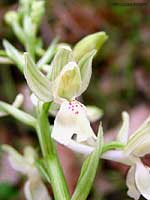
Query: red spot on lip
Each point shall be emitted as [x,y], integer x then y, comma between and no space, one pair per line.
[77,112]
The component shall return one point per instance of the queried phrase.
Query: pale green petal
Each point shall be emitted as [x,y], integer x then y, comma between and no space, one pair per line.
[85,66]
[17,103]
[68,82]
[34,189]
[119,156]
[89,43]
[94,113]
[130,181]
[61,59]
[142,178]
[38,83]
[124,131]
[71,123]
[143,148]
[138,137]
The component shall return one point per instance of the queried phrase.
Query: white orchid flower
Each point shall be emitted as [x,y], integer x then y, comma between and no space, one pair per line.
[34,188]
[137,146]
[69,78]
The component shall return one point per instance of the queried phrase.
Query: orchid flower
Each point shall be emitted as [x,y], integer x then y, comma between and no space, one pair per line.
[136,147]
[69,78]
[34,188]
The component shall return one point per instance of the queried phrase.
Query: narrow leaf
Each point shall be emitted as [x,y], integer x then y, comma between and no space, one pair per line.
[18,114]
[37,82]
[88,171]
[48,54]
[14,54]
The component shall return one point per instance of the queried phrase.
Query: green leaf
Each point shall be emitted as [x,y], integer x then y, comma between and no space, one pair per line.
[62,58]
[18,114]
[89,43]
[38,83]
[48,54]
[14,54]
[85,65]
[42,169]
[88,171]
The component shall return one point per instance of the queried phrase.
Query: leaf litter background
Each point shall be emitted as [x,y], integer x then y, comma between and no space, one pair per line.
[120,81]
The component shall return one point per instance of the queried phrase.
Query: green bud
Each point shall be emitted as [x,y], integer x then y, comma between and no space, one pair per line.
[89,43]
[37,12]
[10,17]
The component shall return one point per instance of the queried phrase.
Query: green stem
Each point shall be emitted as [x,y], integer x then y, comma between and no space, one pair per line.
[57,179]
[112,145]
[49,152]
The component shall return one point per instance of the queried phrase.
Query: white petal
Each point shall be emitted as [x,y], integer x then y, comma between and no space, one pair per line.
[71,122]
[34,99]
[80,148]
[94,113]
[142,178]
[35,190]
[119,156]
[124,131]
[130,181]
[137,138]
[143,148]
[19,162]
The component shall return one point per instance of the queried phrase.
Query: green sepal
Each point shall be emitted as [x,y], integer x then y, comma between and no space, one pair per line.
[85,66]
[89,43]
[38,83]
[62,58]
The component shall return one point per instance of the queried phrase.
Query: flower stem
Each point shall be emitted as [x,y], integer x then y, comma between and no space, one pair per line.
[49,152]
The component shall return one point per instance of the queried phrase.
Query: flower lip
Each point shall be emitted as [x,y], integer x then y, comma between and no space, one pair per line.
[72,124]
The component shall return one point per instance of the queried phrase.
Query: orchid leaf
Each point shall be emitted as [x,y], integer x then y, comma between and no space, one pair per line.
[88,171]
[14,54]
